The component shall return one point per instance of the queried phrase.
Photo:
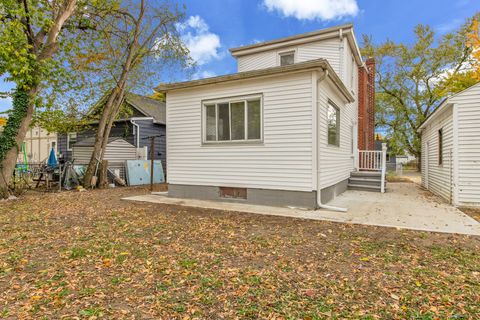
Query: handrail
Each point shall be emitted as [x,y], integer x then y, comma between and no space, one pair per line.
[374,160]
[384,165]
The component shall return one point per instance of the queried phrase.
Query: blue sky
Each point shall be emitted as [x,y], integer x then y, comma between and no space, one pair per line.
[214,26]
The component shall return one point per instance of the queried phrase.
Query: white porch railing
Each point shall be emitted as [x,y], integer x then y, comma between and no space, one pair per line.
[373,160]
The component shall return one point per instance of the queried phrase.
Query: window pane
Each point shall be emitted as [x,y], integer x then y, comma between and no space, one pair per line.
[333,123]
[72,139]
[223,122]
[211,123]
[238,120]
[254,127]
[287,59]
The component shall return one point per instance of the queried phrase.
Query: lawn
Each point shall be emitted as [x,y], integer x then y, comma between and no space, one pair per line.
[91,255]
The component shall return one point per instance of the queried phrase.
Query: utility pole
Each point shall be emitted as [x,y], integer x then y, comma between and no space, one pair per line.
[152,156]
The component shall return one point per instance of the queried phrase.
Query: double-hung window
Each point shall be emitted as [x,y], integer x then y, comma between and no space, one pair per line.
[233,120]
[71,140]
[333,123]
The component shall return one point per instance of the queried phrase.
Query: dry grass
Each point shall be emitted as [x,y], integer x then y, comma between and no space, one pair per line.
[91,255]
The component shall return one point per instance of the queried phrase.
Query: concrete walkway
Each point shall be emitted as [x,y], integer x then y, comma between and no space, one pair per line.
[403,206]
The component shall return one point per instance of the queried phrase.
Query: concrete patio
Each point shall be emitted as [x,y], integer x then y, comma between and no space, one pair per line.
[403,206]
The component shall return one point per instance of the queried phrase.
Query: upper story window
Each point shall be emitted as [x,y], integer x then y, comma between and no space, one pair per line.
[71,140]
[287,58]
[233,120]
[333,124]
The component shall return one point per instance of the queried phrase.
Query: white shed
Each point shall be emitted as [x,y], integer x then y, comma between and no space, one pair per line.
[451,149]
[117,152]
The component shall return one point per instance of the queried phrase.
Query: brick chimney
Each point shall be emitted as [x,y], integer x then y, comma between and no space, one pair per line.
[366,106]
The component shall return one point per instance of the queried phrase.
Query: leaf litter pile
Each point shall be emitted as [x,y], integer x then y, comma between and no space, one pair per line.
[91,255]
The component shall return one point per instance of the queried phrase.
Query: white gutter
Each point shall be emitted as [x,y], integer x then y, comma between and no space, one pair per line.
[137,135]
[315,138]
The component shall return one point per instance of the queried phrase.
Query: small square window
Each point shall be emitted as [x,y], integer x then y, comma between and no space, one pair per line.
[287,58]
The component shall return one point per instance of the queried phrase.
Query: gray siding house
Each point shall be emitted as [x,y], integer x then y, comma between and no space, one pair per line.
[146,117]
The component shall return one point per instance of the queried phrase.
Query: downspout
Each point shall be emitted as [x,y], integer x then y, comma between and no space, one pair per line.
[319,195]
[341,53]
[137,135]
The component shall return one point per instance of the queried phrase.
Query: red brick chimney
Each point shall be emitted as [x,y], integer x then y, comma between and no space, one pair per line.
[366,106]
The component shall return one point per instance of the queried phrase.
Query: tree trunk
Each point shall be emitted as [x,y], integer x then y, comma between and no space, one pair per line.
[97,154]
[7,166]
[103,175]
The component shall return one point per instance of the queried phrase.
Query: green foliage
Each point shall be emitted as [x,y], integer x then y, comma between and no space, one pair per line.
[409,81]
[18,112]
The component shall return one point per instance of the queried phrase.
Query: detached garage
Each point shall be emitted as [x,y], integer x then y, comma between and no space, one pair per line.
[451,149]
[117,152]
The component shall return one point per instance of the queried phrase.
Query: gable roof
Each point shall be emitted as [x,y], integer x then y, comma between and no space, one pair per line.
[302,66]
[147,106]
[327,33]
[443,106]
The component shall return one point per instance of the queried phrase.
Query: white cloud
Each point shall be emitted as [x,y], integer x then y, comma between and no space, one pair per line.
[203,74]
[204,45]
[313,9]
[449,26]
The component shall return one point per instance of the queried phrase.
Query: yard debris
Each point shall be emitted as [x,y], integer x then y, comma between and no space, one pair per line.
[91,255]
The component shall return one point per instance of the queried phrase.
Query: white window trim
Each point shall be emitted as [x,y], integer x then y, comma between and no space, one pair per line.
[68,140]
[339,124]
[230,100]
[286,52]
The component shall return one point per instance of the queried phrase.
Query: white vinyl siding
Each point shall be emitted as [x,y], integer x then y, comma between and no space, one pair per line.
[440,176]
[116,152]
[335,162]
[467,105]
[282,161]
[326,49]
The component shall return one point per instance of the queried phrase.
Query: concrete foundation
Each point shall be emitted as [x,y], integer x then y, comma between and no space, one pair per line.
[278,198]
[329,193]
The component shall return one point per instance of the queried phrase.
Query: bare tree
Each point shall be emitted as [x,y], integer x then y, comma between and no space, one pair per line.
[137,39]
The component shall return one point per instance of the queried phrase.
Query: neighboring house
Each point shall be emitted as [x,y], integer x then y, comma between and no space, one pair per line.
[451,149]
[394,160]
[284,130]
[38,143]
[142,117]
[116,153]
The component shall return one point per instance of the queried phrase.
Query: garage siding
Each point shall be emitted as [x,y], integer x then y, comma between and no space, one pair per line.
[468,114]
[440,177]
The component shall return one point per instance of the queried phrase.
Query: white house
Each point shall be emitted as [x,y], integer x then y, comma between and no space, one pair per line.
[281,131]
[37,145]
[451,149]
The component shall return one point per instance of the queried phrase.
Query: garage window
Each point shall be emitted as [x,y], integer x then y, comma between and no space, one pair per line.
[440,146]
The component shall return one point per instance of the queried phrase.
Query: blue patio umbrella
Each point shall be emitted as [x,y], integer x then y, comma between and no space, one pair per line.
[52,159]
